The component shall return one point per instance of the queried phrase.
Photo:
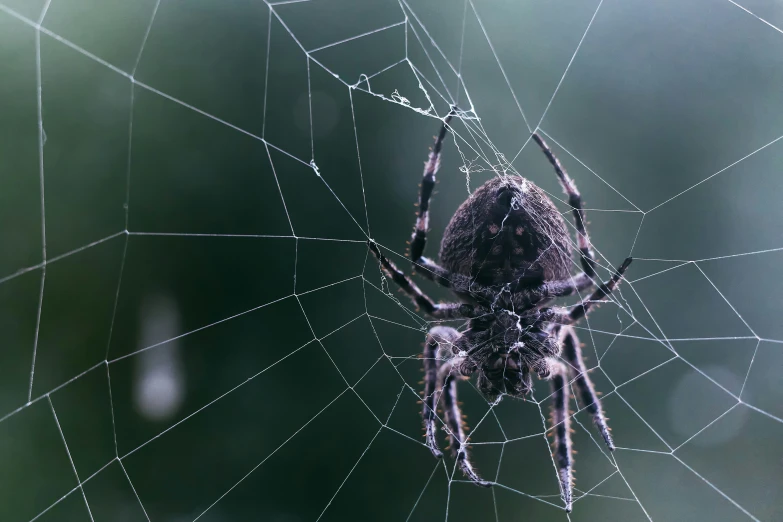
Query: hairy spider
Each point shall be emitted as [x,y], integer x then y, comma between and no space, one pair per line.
[506,255]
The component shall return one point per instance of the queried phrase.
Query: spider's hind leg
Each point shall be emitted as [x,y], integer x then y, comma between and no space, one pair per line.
[572,353]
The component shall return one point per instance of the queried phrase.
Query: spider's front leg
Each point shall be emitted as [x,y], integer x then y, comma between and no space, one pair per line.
[439,339]
[449,374]
[442,371]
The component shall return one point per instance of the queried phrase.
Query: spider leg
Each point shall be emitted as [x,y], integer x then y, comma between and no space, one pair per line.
[538,296]
[561,316]
[572,353]
[436,273]
[460,284]
[554,289]
[605,290]
[561,425]
[439,338]
[448,376]
[575,200]
[419,238]
[524,295]
[419,298]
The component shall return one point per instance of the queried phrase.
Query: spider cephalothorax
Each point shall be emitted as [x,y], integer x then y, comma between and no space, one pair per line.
[506,255]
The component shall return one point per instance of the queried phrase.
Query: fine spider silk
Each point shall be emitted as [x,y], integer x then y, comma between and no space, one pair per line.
[506,255]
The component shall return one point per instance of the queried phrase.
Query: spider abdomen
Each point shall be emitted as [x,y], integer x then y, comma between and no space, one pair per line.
[508,228]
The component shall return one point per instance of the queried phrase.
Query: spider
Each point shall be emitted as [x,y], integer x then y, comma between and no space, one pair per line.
[506,255]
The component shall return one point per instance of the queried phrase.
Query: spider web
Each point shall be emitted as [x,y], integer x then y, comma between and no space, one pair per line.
[193,328]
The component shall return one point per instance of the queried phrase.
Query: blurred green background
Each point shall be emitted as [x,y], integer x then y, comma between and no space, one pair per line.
[228,338]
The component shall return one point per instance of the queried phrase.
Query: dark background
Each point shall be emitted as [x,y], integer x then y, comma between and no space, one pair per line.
[275,362]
